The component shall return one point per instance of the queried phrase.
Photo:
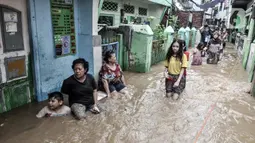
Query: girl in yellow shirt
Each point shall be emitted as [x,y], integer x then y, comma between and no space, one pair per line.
[175,65]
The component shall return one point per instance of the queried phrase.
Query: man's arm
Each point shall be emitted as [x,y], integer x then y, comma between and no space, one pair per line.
[122,77]
[94,85]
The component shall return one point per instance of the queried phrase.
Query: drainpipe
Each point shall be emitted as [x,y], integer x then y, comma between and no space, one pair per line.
[249,38]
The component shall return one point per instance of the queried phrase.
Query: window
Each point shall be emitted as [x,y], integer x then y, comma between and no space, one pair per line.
[110,6]
[106,20]
[129,9]
[142,11]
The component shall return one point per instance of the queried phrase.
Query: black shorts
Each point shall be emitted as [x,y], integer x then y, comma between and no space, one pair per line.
[112,87]
[116,87]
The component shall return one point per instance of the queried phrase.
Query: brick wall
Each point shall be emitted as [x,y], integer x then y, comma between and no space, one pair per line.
[197,19]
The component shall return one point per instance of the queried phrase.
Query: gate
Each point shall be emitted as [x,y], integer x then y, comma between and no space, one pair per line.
[158,52]
[110,41]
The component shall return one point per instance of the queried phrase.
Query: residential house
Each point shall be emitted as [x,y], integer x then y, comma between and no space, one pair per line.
[114,12]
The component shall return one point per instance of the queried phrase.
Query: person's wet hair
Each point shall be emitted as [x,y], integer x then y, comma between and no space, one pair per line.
[82,61]
[56,95]
[200,46]
[108,55]
[183,45]
[170,51]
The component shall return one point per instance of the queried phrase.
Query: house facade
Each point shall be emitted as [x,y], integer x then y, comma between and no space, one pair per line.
[39,40]
[114,12]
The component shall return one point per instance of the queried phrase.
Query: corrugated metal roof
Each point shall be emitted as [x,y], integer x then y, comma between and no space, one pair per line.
[162,2]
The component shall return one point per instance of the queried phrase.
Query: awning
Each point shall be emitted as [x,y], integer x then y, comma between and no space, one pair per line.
[162,2]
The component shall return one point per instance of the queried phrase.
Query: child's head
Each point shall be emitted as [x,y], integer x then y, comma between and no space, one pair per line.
[200,46]
[206,28]
[215,35]
[176,48]
[55,100]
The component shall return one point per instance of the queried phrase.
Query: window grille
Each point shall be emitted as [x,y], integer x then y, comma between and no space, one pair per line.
[129,9]
[142,11]
[110,6]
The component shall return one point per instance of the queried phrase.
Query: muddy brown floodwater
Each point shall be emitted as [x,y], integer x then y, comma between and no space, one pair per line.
[214,108]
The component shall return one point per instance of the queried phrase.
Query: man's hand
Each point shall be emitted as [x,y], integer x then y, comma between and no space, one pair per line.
[176,84]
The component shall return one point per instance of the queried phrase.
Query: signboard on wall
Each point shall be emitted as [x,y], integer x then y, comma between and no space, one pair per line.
[62,14]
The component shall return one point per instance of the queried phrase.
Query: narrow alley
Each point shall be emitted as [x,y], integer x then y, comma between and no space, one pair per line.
[214,108]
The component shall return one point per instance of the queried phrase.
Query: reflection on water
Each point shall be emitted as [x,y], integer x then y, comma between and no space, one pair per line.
[145,115]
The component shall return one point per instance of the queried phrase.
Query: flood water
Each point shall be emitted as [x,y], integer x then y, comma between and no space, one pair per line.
[214,108]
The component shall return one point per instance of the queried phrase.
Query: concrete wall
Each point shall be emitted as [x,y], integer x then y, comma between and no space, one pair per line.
[21,6]
[49,70]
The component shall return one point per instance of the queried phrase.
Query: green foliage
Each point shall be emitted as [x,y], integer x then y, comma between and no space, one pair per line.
[174,22]
[159,32]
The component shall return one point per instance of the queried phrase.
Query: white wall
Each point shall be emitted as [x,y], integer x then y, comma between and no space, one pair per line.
[195,7]
[209,11]
[121,5]
[95,16]
[153,10]
[156,11]
[20,5]
[97,50]
[116,15]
